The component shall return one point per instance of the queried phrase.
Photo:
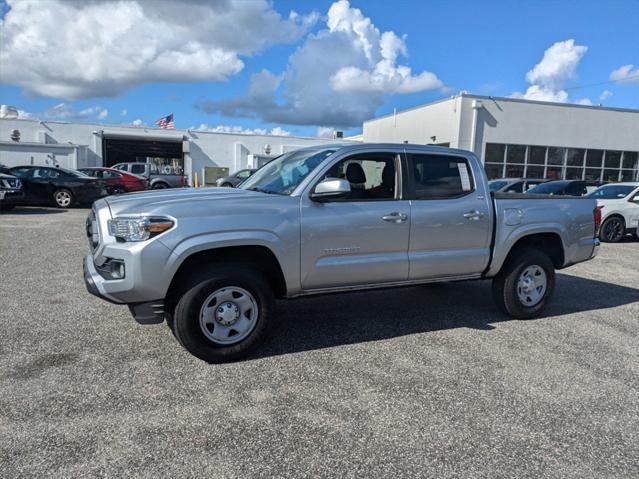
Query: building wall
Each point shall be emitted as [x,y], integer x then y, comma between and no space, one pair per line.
[418,125]
[38,139]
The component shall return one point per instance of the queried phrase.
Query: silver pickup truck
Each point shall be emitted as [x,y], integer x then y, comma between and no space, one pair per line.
[326,219]
[158,180]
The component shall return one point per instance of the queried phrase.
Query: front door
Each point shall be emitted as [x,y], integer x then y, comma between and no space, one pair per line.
[450,217]
[361,239]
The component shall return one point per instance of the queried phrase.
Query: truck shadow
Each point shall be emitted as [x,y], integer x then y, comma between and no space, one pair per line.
[328,321]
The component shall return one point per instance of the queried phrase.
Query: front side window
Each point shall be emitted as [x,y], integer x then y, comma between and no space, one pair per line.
[243,174]
[440,176]
[282,175]
[372,177]
[516,187]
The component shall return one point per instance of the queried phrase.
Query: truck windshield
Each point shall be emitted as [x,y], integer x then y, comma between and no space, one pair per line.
[612,192]
[282,175]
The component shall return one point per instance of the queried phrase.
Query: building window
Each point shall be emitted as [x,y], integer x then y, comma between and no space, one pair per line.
[556,162]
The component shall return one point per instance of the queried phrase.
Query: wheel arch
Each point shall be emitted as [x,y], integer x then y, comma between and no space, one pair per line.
[547,242]
[259,256]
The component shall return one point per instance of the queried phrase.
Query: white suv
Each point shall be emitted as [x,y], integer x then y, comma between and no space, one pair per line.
[619,204]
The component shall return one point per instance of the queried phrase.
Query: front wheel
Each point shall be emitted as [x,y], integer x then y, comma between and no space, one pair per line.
[63,198]
[524,286]
[224,318]
[612,230]
[159,186]
[117,190]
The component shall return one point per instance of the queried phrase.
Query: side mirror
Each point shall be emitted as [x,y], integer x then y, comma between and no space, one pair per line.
[331,189]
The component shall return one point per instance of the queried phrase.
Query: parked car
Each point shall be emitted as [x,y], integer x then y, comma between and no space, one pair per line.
[514,185]
[157,180]
[10,191]
[619,203]
[45,185]
[321,220]
[564,188]
[232,181]
[117,182]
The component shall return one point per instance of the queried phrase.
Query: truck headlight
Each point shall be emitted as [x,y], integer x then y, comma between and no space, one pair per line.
[139,228]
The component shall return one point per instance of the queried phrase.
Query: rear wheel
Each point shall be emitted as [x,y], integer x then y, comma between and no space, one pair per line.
[227,185]
[524,286]
[612,230]
[63,198]
[225,317]
[160,185]
[117,190]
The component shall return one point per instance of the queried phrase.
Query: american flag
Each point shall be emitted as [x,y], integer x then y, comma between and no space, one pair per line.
[166,122]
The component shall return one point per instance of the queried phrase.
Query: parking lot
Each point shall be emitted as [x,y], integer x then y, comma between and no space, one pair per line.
[416,382]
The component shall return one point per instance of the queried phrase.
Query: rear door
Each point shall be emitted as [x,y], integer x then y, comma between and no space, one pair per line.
[361,239]
[450,227]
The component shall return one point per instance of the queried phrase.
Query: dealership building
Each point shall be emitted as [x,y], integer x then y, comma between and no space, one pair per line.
[523,138]
[513,137]
[77,145]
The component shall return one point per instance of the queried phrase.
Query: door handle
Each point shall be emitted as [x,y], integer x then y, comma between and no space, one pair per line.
[473,215]
[395,217]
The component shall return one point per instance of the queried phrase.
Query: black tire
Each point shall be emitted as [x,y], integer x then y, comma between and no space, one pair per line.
[185,320]
[612,230]
[506,283]
[227,185]
[160,185]
[117,190]
[63,198]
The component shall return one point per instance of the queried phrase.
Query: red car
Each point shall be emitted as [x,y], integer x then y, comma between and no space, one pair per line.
[117,182]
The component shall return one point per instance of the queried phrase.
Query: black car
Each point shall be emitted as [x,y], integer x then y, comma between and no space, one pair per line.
[232,181]
[46,185]
[514,185]
[10,191]
[564,187]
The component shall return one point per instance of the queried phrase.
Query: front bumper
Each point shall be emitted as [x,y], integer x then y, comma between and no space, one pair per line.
[11,197]
[151,312]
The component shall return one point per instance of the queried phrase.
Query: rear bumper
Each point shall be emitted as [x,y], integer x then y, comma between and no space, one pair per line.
[595,248]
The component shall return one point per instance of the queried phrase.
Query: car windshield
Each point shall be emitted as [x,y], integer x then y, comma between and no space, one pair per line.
[282,175]
[496,185]
[548,188]
[612,192]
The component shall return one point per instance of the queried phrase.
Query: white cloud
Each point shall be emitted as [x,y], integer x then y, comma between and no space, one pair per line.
[138,122]
[605,95]
[25,115]
[549,76]
[64,111]
[127,43]
[325,132]
[625,74]
[277,131]
[584,101]
[337,76]
[124,112]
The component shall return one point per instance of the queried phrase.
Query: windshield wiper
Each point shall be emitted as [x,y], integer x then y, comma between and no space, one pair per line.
[263,190]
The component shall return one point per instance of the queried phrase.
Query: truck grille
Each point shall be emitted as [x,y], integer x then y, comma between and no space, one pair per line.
[93,235]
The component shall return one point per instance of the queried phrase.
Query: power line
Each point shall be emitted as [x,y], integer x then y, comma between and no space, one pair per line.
[631,77]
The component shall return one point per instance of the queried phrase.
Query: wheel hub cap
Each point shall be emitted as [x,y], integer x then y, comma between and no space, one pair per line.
[227,314]
[532,285]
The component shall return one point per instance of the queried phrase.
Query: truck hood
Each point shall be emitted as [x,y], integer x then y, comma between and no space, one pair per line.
[178,199]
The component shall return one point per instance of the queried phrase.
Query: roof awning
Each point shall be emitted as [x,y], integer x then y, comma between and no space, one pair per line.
[144,134]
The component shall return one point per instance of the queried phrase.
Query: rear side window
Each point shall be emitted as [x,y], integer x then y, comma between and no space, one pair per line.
[440,176]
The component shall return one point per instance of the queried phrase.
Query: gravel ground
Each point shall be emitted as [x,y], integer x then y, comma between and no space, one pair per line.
[415,382]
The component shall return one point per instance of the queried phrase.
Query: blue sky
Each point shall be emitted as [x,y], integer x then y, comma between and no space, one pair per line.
[252,65]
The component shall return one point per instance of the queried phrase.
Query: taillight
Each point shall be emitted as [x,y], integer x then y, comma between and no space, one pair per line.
[596,213]
[182,180]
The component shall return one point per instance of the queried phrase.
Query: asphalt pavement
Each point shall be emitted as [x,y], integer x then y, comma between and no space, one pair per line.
[413,382]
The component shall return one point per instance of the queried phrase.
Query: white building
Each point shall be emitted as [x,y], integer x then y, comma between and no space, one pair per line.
[517,138]
[75,145]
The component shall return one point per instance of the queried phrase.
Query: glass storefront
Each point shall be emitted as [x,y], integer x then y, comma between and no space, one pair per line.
[556,162]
